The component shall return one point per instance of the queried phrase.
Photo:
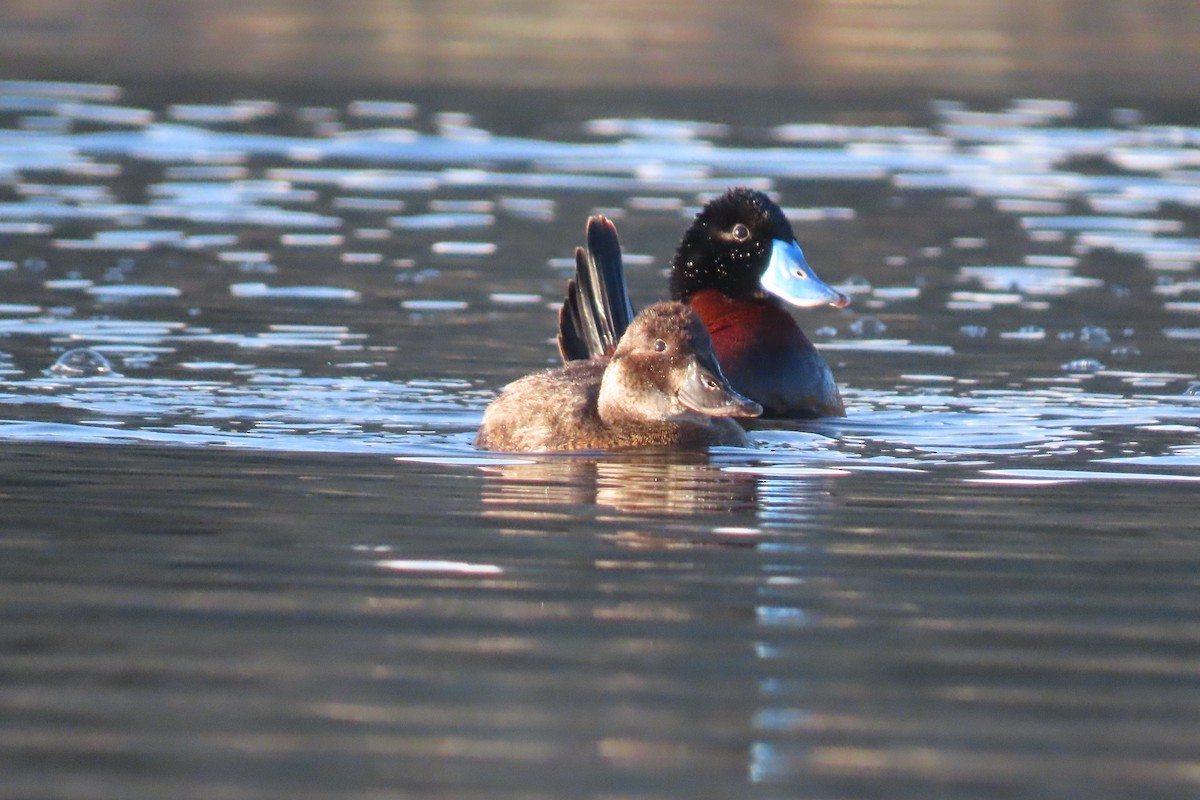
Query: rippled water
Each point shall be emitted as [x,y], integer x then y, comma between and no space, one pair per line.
[260,558]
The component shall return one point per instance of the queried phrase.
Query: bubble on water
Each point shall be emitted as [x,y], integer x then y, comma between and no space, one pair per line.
[973,331]
[826,332]
[1193,390]
[82,362]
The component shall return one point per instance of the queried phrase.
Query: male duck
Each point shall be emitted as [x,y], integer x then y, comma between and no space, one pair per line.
[737,265]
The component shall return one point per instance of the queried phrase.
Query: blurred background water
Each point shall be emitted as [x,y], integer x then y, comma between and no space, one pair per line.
[262,266]
[1077,48]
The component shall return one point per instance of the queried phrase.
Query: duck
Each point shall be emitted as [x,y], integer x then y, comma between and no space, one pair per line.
[659,385]
[739,267]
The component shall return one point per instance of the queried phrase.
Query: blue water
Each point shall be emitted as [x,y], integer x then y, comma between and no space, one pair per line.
[260,558]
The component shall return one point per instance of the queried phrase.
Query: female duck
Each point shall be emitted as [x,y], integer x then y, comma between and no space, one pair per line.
[660,387]
[736,266]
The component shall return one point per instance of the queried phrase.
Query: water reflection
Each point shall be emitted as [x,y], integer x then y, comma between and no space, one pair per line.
[656,484]
[660,511]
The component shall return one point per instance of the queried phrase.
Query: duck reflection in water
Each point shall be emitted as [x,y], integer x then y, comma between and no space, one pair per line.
[662,483]
[638,512]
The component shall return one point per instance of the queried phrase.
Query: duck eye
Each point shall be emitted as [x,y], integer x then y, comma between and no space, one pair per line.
[659,345]
[740,232]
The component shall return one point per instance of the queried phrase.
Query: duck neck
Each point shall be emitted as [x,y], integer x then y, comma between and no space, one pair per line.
[691,275]
[762,319]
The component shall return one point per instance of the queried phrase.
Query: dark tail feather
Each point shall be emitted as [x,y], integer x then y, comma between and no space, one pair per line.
[596,310]
[572,342]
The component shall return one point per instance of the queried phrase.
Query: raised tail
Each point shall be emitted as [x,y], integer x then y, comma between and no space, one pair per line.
[596,310]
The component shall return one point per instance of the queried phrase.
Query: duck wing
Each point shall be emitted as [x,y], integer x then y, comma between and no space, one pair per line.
[596,310]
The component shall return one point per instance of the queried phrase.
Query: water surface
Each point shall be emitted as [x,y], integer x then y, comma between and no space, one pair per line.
[258,556]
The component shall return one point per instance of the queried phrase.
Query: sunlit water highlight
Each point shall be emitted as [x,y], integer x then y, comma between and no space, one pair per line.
[966,155]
